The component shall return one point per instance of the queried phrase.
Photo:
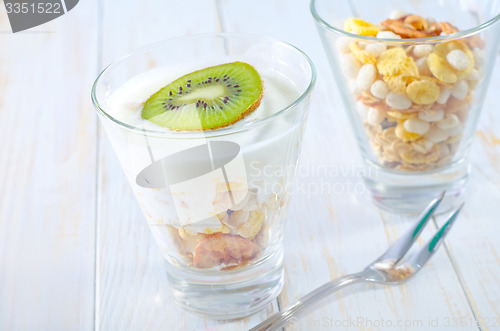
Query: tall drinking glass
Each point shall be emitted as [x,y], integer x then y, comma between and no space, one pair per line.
[215,200]
[413,102]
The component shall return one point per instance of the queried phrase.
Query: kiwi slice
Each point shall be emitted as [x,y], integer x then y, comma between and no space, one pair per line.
[206,99]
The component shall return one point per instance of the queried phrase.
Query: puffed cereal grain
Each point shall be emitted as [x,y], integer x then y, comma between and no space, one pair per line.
[478,55]
[366,76]
[388,35]
[474,76]
[431,115]
[458,59]
[396,14]
[444,95]
[379,89]
[448,122]
[423,68]
[362,55]
[460,89]
[376,49]
[415,125]
[398,101]
[343,45]
[375,116]
[422,145]
[405,135]
[350,65]
[422,50]
[436,135]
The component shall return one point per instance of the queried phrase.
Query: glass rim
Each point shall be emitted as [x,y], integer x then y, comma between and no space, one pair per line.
[206,133]
[453,36]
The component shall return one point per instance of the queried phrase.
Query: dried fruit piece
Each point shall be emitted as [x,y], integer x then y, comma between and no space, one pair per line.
[405,30]
[358,26]
[423,92]
[447,28]
[418,22]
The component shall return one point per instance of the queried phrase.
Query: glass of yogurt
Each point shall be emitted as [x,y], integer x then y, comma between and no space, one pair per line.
[215,200]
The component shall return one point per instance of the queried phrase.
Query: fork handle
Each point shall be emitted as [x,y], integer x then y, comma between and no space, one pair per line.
[286,314]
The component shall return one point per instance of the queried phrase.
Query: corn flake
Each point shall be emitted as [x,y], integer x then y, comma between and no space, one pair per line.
[398,83]
[400,116]
[363,56]
[395,61]
[404,135]
[423,92]
[415,157]
[441,69]
[358,26]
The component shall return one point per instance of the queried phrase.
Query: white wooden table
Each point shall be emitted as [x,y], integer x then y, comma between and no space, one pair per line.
[75,253]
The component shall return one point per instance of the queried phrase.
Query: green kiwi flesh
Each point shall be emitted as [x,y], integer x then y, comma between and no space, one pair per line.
[206,99]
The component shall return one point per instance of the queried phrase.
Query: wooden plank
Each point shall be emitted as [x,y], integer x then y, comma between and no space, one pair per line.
[474,245]
[132,289]
[333,227]
[47,173]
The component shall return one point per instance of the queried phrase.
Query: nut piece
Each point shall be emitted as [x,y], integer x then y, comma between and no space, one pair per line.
[447,28]
[405,30]
[417,22]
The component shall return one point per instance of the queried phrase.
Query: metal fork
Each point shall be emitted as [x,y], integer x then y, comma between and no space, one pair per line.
[384,270]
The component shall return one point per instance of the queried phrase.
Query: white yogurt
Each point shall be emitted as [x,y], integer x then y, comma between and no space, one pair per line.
[266,152]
